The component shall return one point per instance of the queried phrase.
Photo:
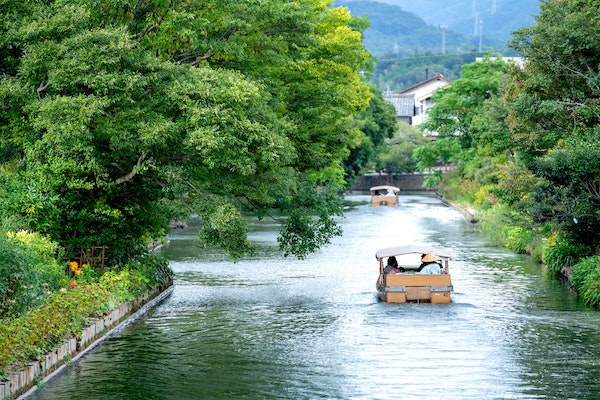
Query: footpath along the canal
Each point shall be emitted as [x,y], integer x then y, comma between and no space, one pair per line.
[24,381]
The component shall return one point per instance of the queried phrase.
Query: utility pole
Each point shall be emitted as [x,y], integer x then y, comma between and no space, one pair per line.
[444,27]
[480,35]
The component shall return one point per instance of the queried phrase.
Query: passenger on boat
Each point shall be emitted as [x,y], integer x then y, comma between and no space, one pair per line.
[430,265]
[392,266]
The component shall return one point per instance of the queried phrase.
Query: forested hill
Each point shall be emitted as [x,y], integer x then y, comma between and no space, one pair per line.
[394,30]
[406,27]
[499,17]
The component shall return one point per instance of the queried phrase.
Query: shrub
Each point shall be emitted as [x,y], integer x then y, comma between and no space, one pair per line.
[519,239]
[155,269]
[63,315]
[586,280]
[29,272]
[562,252]
[67,311]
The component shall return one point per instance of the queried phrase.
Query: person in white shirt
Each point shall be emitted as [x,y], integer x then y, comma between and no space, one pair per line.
[430,265]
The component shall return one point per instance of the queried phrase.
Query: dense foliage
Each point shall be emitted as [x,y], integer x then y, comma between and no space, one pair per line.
[118,117]
[379,124]
[523,141]
[29,272]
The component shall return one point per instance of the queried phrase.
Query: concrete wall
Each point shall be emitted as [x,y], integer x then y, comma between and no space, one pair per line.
[406,182]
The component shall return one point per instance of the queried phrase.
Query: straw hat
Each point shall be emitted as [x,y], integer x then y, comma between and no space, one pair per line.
[429,257]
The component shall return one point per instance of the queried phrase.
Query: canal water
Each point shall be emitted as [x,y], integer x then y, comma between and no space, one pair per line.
[276,328]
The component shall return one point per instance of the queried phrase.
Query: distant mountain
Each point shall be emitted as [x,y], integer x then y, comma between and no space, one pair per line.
[394,30]
[465,21]
[408,37]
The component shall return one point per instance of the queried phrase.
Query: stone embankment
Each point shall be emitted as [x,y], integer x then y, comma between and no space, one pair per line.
[23,382]
[470,213]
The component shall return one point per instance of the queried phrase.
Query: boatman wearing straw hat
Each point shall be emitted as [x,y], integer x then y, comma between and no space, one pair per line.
[430,265]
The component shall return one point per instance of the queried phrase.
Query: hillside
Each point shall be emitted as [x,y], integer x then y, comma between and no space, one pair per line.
[394,30]
[496,18]
[408,41]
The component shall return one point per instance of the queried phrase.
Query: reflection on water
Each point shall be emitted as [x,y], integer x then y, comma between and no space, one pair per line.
[273,327]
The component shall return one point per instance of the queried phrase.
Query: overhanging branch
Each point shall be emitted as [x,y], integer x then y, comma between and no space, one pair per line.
[129,176]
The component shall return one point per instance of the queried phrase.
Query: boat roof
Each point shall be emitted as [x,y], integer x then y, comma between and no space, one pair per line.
[385,187]
[412,249]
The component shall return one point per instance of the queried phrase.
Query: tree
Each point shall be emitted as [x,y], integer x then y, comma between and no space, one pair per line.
[399,156]
[554,114]
[459,104]
[378,123]
[556,92]
[467,119]
[125,115]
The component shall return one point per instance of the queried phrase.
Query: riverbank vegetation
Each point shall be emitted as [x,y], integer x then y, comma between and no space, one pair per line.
[42,305]
[522,143]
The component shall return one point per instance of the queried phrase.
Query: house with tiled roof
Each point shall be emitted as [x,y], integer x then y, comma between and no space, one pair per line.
[411,104]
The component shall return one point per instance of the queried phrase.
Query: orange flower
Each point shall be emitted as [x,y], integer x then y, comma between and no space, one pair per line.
[72,284]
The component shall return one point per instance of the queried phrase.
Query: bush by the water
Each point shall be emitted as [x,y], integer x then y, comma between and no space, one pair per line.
[29,271]
[586,280]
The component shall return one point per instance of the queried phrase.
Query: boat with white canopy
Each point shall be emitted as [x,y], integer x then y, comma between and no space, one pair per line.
[421,274]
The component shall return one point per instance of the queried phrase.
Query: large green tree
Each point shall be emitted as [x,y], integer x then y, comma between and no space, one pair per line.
[119,116]
[555,93]
[459,106]
[554,113]
[378,122]
[466,122]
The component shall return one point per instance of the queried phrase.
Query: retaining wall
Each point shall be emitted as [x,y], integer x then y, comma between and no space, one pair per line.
[24,381]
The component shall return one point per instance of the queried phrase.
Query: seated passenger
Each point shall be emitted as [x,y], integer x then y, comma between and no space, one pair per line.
[392,266]
[430,265]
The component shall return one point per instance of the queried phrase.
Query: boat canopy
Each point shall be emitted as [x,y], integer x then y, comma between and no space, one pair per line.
[385,187]
[412,249]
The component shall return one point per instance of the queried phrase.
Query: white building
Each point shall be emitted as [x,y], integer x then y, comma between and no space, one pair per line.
[412,104]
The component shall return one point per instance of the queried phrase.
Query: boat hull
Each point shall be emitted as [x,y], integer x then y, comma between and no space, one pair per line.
[404,288]
[389,201]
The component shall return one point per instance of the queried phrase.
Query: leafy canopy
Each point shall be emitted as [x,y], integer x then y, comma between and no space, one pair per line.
[120,117]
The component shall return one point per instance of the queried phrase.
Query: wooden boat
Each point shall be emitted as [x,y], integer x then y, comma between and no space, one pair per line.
[409,285]
[384,196]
